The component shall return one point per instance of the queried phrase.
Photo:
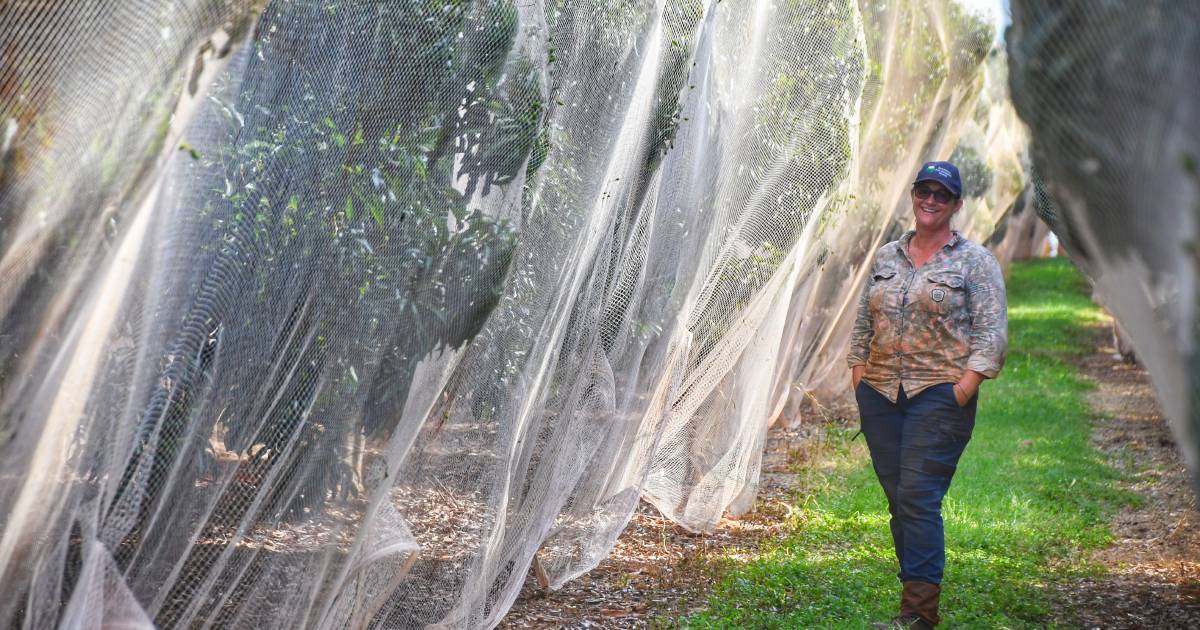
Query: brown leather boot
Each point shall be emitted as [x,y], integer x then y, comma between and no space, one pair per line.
[920,599]
[918,608]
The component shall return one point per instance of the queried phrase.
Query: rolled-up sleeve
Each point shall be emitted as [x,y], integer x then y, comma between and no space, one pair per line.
[860,337]
[989,318]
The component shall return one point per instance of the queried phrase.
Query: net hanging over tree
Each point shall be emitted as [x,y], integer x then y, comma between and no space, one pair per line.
[343,313]
[1110,95]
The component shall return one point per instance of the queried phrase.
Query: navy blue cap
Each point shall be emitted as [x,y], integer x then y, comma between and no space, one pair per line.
[943,173]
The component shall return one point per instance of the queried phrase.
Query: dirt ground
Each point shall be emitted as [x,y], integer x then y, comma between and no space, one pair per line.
[1154,563]
[658,570]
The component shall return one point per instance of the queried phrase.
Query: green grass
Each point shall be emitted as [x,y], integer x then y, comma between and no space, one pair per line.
[1029,495]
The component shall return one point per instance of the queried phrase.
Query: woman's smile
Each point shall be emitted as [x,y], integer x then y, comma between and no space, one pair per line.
[932,215]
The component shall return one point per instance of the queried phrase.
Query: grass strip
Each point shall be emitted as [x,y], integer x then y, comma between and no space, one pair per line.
[1029,495]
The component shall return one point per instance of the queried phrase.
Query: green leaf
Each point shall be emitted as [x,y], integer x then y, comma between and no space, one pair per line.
[348,211]
[376,210]
[183,146]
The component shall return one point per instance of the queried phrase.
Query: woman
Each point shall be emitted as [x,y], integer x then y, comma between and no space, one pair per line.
[932,325]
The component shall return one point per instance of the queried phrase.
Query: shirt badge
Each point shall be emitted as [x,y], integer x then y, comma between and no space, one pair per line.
[938,295]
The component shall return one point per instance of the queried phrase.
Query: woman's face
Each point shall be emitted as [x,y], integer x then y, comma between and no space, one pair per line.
[933,206]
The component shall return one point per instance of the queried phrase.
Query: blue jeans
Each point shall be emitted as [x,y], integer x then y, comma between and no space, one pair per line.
[915,444]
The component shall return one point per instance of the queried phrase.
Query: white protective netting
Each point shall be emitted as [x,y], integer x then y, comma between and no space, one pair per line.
[1111,95]
[339,313]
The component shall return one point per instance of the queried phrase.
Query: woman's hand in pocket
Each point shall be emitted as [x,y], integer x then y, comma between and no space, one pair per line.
[856,374]
[967,386]
[961,395]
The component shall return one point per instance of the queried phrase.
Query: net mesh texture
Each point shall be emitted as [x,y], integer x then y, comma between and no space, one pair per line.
[1109,93]
[344,313]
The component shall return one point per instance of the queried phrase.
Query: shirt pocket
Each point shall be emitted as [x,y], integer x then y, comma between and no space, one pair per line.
[945,292]
[881,278]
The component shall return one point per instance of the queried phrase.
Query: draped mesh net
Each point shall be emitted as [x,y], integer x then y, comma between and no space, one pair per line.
[1109,92]
[347,313]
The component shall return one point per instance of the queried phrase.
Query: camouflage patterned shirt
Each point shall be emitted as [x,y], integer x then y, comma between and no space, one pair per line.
[918,327]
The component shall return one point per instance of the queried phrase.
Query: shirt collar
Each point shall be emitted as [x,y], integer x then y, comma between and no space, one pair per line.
[955,239]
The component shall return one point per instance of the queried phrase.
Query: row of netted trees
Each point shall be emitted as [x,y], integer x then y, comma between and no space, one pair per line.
[431,290]
[339,248]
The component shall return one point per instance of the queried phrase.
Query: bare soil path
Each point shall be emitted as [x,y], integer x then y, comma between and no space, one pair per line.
[1153,578]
